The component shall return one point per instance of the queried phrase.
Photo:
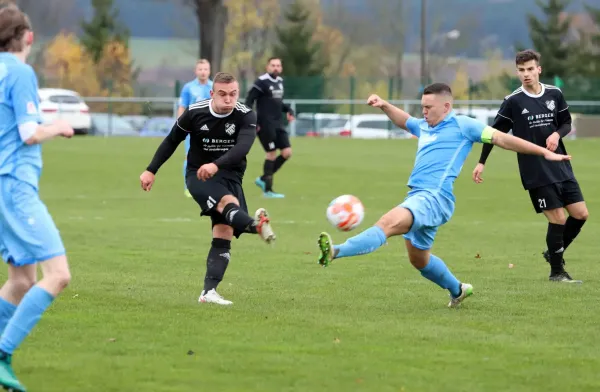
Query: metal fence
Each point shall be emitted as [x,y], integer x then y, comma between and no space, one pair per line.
[312,114]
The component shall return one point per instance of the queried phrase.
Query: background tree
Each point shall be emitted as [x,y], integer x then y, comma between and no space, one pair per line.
[102,29]
[548,35]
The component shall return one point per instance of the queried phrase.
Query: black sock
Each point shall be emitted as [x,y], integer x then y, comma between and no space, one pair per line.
[572,228]
[216,263]
[267,177]
[278,163]
[239,219]
[554,241]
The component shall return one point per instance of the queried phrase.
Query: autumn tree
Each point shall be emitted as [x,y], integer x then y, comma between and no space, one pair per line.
[115,73]
[249,33]
[69,66]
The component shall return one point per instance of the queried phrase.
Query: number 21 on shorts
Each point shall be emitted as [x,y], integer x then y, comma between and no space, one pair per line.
[542,203]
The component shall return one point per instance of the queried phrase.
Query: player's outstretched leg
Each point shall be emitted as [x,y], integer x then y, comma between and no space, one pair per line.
[366,242]
[216,265]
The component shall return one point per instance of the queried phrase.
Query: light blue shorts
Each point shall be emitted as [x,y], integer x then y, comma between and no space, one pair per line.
[27,232]
[430,211]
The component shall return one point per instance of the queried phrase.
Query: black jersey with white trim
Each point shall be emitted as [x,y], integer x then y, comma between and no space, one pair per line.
[222,139]
[267,91]
[534,118]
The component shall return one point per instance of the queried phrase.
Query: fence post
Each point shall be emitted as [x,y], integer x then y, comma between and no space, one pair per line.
[177,88]
[352,87]
[293,123]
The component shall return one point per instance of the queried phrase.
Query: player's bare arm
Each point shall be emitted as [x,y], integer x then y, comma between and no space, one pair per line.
[397,115]
[42,133]
[512,143]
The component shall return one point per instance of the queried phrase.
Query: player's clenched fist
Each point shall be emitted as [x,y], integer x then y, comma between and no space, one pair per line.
[207,171]
[147,179]
[375,101]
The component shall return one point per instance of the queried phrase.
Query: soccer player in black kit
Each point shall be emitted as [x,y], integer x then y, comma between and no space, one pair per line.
[221,132]
[267,91]
[539,113]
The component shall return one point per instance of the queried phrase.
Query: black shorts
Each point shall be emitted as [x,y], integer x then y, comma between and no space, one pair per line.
[273,138]
[557,195]
[208,194]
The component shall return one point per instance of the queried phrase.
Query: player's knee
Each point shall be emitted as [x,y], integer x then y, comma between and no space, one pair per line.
[395,222]
[225,200]
[271,155]
[56,273]
[286,153]
[224,232]
[583,214]
[21,284]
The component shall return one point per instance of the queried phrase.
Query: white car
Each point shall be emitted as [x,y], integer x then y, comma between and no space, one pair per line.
[371,126]
[67,105]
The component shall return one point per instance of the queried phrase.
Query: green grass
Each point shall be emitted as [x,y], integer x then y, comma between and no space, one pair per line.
[371,323]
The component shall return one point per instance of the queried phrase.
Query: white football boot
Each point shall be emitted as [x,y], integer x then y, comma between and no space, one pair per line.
[263,226]
[466,291]
[212,297]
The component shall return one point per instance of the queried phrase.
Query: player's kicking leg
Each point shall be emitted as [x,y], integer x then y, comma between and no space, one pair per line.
[417,219]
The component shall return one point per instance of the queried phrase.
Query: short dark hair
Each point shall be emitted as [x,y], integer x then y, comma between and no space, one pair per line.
[13,26]
[527,55]
[438,89]
[224,77]
[273,58]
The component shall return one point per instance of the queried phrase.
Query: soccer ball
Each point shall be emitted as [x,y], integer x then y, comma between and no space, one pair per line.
[345,212]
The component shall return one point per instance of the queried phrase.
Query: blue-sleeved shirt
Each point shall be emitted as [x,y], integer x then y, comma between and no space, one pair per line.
[443,150]
[19,104]
[194,91]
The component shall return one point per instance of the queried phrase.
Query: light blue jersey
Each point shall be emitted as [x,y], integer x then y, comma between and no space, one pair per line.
[441,153]
[193,92]
[19,104]
[27,231]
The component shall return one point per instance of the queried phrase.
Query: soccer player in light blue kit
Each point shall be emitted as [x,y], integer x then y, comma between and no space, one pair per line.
[445,140]
[192,92]
[28,235]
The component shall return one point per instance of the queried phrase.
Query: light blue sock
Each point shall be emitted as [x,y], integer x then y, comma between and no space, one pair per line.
[366,242]
[27,315]
[6,312]
[438,273]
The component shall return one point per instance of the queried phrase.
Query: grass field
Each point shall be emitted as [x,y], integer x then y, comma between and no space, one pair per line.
[130,319]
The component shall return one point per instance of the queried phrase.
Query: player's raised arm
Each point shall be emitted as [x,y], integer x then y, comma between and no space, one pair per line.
[513,143]
[397,115]
[476,131]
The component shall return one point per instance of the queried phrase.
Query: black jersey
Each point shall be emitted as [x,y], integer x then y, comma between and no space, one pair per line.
[534,118]
[222,139]
[267,91]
